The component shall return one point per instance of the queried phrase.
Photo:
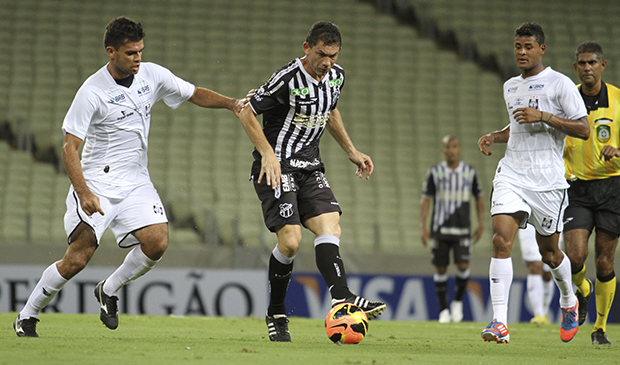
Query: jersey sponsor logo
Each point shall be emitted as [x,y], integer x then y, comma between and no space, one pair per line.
[512,89]
[311,121]
[300,92]
[603,133]
[335,82]
[117,98]
[301,164]
[286,210]
[307,102]
[536,87]
[275,88]
[144,90]
[124,115]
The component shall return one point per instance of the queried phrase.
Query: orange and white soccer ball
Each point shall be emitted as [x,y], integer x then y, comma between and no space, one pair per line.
[346,323]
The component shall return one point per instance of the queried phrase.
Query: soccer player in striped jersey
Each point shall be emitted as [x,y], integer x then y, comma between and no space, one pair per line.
[298,104]
[593,169]
[451,185]
[529,185]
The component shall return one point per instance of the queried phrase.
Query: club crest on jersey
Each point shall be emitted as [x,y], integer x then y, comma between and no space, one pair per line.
[603,133]
[286,210]
[533,103]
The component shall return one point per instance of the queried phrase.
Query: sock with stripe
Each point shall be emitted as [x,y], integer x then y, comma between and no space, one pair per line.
[604,291]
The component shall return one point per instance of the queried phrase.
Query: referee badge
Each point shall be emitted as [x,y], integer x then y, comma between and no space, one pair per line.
[603,133]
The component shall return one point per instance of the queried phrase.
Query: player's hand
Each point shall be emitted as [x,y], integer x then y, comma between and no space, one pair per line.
[609,152]
[271,170]
[90,204]
[484,143]
[364,164]
[241,103]
[426,236]
[527,115]
[478,233]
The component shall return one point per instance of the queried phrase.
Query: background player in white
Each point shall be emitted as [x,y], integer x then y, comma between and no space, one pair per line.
[111,187]
[539,281]
[529,182]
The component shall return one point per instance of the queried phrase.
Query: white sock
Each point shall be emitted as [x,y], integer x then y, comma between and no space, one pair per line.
[135,265]
[548,291]
[535,293]
[500,279]
[50,283]
[562,277]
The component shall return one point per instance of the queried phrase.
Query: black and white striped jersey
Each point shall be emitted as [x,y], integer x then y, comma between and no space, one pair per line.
[451,191]
[295,109]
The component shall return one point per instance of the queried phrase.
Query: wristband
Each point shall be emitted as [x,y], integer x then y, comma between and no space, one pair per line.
[545,116]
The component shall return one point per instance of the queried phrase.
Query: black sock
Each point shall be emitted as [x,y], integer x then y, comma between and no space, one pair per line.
[279,277]
[461,286]
[441,288]
[331,267]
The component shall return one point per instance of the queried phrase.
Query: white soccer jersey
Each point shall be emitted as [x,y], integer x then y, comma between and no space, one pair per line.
[534,154]
[114,122]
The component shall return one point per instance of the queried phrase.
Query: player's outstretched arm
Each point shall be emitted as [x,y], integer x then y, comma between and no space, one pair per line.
[270,166]
[337,130]
[485,142]
[70,157]
[210,99]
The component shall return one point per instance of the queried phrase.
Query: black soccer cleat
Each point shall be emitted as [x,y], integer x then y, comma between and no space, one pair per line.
[599,337]
[583,303]
[109,307]
[26,327]
[278,328]
[372,309]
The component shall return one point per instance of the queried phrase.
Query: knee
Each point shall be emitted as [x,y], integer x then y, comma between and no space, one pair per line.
[154,249]
[604,265]
[289,241]
[501,246]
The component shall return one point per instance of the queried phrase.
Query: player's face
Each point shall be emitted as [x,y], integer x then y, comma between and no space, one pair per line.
[589,68]
[125,60]
[452,151]
[320,59]
[528,53]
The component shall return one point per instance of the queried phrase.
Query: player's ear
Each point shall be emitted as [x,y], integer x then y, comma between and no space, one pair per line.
[306,48]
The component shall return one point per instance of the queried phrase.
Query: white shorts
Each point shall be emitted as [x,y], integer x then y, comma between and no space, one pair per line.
[544,209]
[141,208]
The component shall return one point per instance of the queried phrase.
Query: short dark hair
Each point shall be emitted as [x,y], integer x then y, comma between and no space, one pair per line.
[325,32]
[590,47]
[122,30]
[531,30]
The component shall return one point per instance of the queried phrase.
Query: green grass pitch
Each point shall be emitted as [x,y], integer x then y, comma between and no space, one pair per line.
[82,339]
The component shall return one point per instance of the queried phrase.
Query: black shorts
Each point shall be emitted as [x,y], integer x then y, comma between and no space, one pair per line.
[302,195]
[441,246]
[594,203]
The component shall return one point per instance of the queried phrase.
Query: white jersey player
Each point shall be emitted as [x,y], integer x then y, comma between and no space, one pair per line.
[544,107]
[111,187]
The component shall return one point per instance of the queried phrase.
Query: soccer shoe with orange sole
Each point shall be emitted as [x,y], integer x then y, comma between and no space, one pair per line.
[496,331]
[570,322]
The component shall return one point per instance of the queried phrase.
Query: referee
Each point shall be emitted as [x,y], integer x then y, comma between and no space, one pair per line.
[450,185]
[593,169]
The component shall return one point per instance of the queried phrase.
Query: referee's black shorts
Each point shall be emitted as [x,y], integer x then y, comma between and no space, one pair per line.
[594,203]
[302,195]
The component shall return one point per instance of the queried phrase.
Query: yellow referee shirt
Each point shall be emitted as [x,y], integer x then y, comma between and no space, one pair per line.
[581,158]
